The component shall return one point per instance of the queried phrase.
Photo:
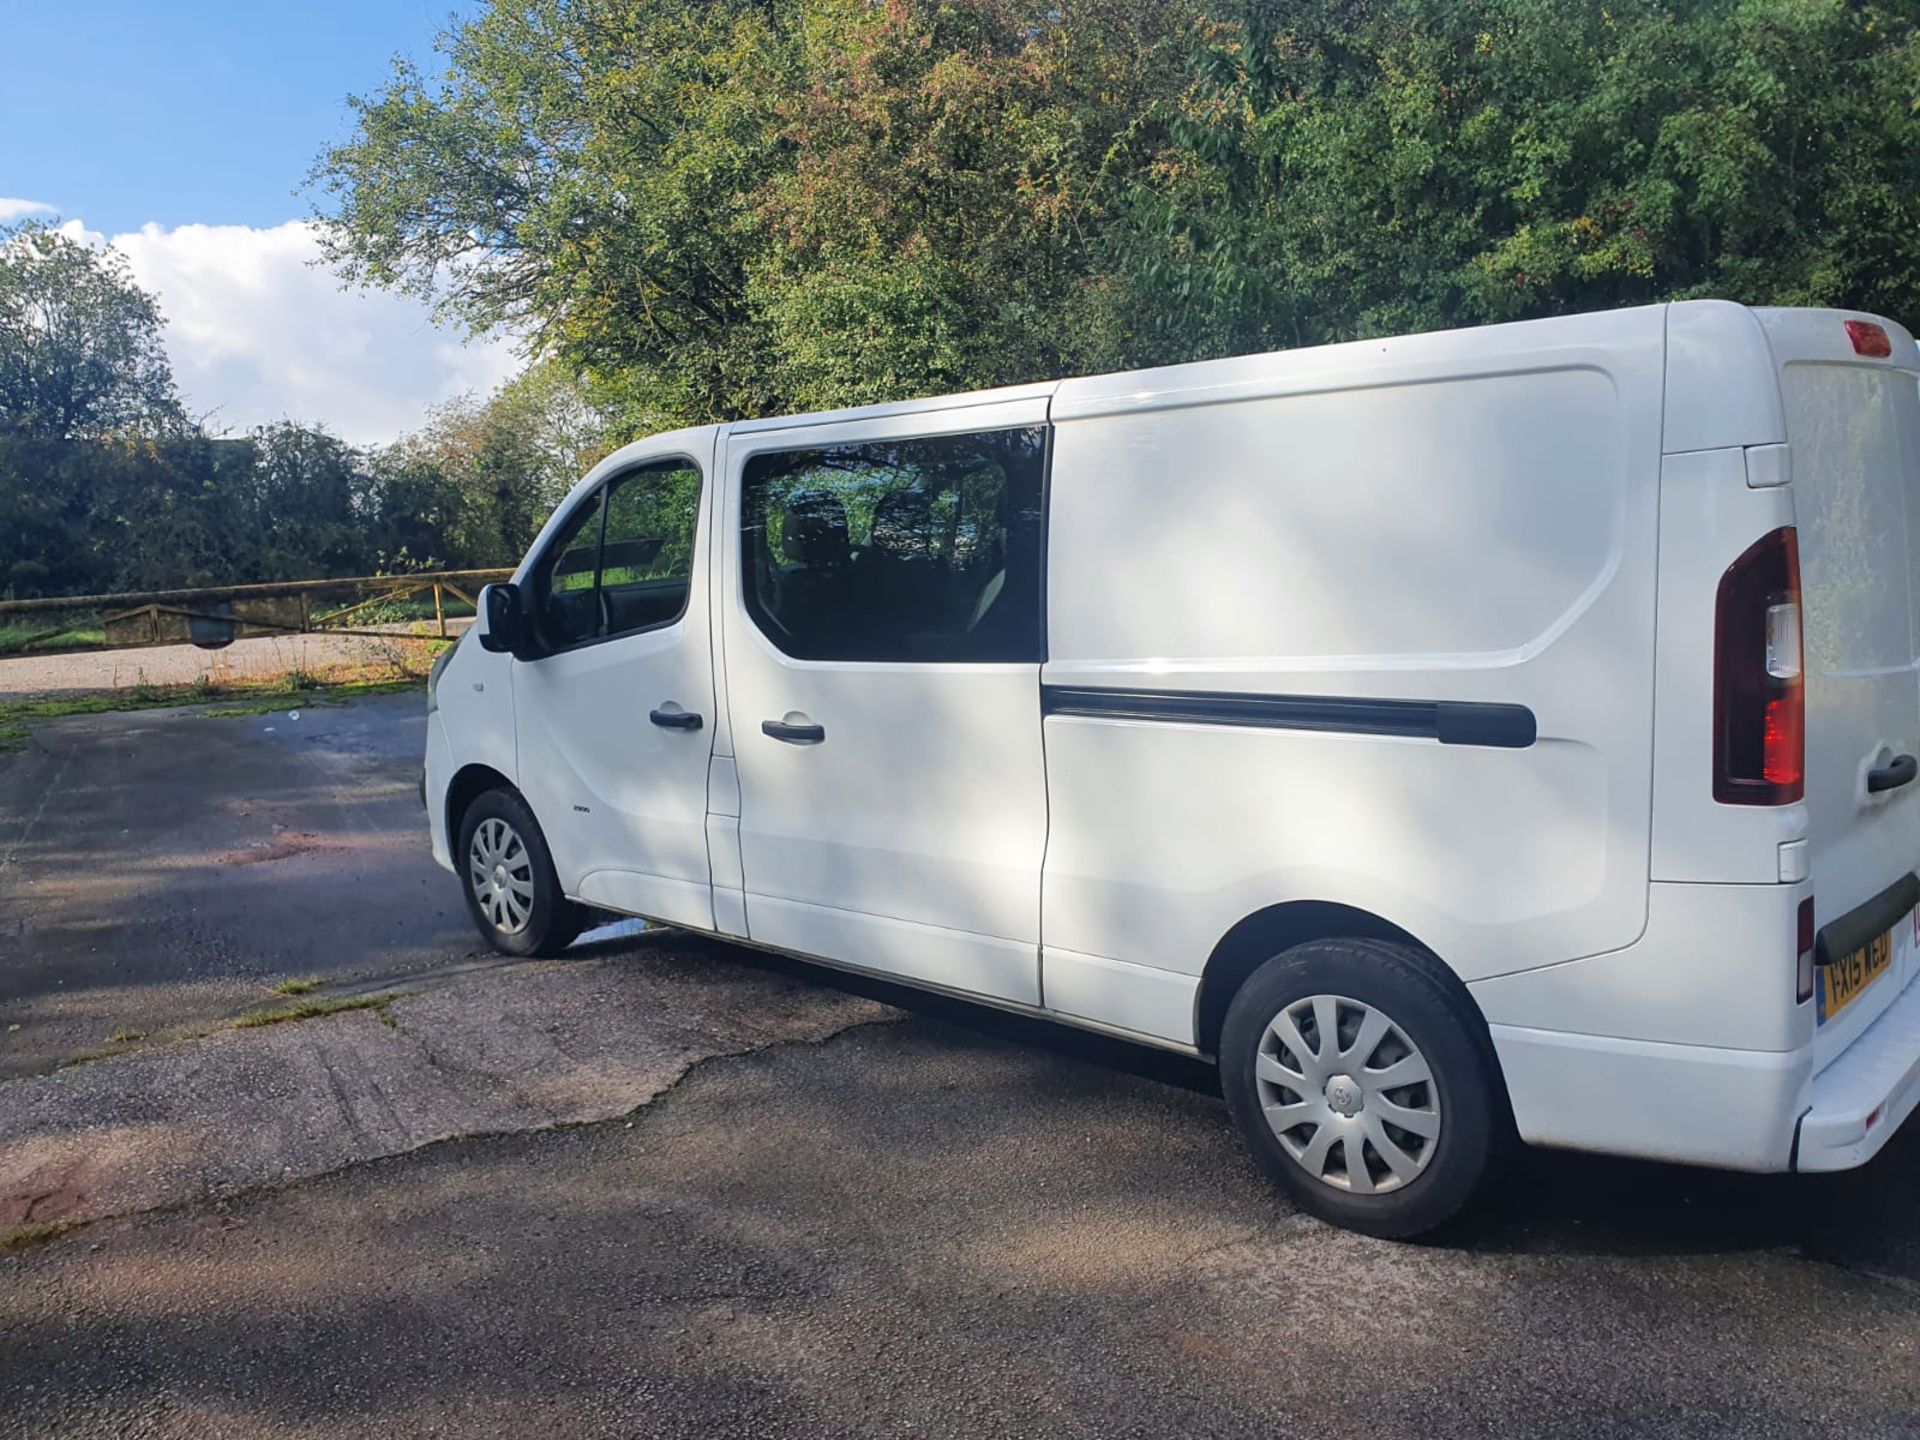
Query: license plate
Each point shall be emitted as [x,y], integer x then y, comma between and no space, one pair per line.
[1843,980]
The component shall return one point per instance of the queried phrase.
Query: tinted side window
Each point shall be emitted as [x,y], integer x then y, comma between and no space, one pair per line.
[624,561]
[564,582]
[898,550]
[646,560]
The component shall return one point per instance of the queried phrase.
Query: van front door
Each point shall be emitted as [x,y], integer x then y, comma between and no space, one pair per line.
[882,643]
[614,723]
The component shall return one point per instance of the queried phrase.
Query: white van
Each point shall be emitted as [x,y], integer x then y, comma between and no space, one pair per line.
[1423,727]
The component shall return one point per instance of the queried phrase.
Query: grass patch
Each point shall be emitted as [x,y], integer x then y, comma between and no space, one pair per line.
[298,987]
[126,1037]
[266,702]
[41,638]
[260,697]
[312,1009]
[19,1237]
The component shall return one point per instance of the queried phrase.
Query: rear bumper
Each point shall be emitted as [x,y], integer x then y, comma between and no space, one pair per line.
[1652,1100]
[1866,1094]
[1700,1105]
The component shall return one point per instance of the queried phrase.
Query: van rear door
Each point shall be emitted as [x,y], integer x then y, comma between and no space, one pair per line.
[1850,388]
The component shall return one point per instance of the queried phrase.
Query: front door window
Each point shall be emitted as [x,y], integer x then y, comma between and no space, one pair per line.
[624,561]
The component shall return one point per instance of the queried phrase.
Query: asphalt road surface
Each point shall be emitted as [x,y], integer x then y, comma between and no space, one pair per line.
[940,1223]
[160,870]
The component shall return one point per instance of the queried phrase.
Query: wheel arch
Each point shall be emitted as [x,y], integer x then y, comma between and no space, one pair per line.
[469,783]
[1258,937]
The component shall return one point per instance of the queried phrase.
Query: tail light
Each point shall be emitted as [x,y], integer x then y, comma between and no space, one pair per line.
[1803,967]
[1869,339]
[1759,703]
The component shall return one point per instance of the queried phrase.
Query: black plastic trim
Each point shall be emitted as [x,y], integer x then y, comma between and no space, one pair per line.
[1857,928]
[794,734]
[1901,770]
[1451,722]
[1046,530]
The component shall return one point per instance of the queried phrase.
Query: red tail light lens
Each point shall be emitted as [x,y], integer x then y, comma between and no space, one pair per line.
[1759,702]
[1869,339]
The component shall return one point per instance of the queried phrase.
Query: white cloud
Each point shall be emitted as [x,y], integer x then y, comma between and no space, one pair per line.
[11,209]
[257,332]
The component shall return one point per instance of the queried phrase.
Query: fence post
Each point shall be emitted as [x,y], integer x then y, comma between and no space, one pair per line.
[439,613]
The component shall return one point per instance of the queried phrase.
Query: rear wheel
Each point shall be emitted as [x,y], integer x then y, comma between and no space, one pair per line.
[1363,1084]
[512,891]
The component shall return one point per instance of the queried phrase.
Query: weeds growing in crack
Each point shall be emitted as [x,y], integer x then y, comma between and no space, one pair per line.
[19,1237]
[311,1009]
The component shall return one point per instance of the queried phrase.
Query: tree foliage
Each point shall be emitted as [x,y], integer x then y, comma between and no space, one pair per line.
[738,207]
[290,501]
[704,209]
[734,207]
[80,351]
[1391,165]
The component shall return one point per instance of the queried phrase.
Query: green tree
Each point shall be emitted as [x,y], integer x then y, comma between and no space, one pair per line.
[734,207]
[497,467]
[80,351]
[1389,165]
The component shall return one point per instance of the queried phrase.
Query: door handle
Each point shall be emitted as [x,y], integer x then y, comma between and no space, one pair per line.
[794,734]
[674,719]
[1891,776]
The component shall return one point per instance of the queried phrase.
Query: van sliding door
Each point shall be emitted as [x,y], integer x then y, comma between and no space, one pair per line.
[881,639]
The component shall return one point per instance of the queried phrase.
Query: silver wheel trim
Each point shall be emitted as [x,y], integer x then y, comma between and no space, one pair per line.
[501,873]
[1348,1094]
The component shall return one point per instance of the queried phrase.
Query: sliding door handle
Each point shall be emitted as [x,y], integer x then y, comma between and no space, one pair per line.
[674,719]
[794,734]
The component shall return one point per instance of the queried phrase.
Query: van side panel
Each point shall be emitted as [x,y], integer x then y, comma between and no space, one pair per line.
[1462,519]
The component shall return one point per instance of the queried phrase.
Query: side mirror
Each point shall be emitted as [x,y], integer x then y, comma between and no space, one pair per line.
[508,629]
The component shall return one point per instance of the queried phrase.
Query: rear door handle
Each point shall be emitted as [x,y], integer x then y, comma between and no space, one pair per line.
[794,734]
[674,719]
[1891,776]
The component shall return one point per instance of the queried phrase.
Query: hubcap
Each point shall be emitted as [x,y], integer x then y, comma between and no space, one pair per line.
[1348,1094]
[1345,1096]
[501,873]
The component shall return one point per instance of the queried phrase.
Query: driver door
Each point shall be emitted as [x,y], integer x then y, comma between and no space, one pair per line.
[614,723]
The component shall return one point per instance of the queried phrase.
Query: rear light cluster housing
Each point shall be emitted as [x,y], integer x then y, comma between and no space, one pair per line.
[1759,696]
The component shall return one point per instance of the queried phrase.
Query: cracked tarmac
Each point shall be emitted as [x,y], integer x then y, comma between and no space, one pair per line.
[512,1048]
[839,1209]
[934,1228]
[122,902]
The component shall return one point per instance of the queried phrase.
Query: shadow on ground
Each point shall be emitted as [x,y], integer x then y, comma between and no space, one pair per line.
[962,1224]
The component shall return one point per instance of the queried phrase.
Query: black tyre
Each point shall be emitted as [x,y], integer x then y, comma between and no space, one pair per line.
[1364,1084]
[507,875]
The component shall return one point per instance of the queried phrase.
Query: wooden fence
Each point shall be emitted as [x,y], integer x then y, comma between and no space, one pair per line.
[215,617]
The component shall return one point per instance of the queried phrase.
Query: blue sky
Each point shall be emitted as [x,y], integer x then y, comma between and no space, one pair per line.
[178,131]
[172,112]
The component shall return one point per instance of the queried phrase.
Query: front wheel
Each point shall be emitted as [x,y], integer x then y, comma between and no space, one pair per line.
[1363,1084]
[512,891]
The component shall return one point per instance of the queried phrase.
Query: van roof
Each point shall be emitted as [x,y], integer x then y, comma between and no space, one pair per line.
[1038,390]
[1720,337]
[1198,380]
